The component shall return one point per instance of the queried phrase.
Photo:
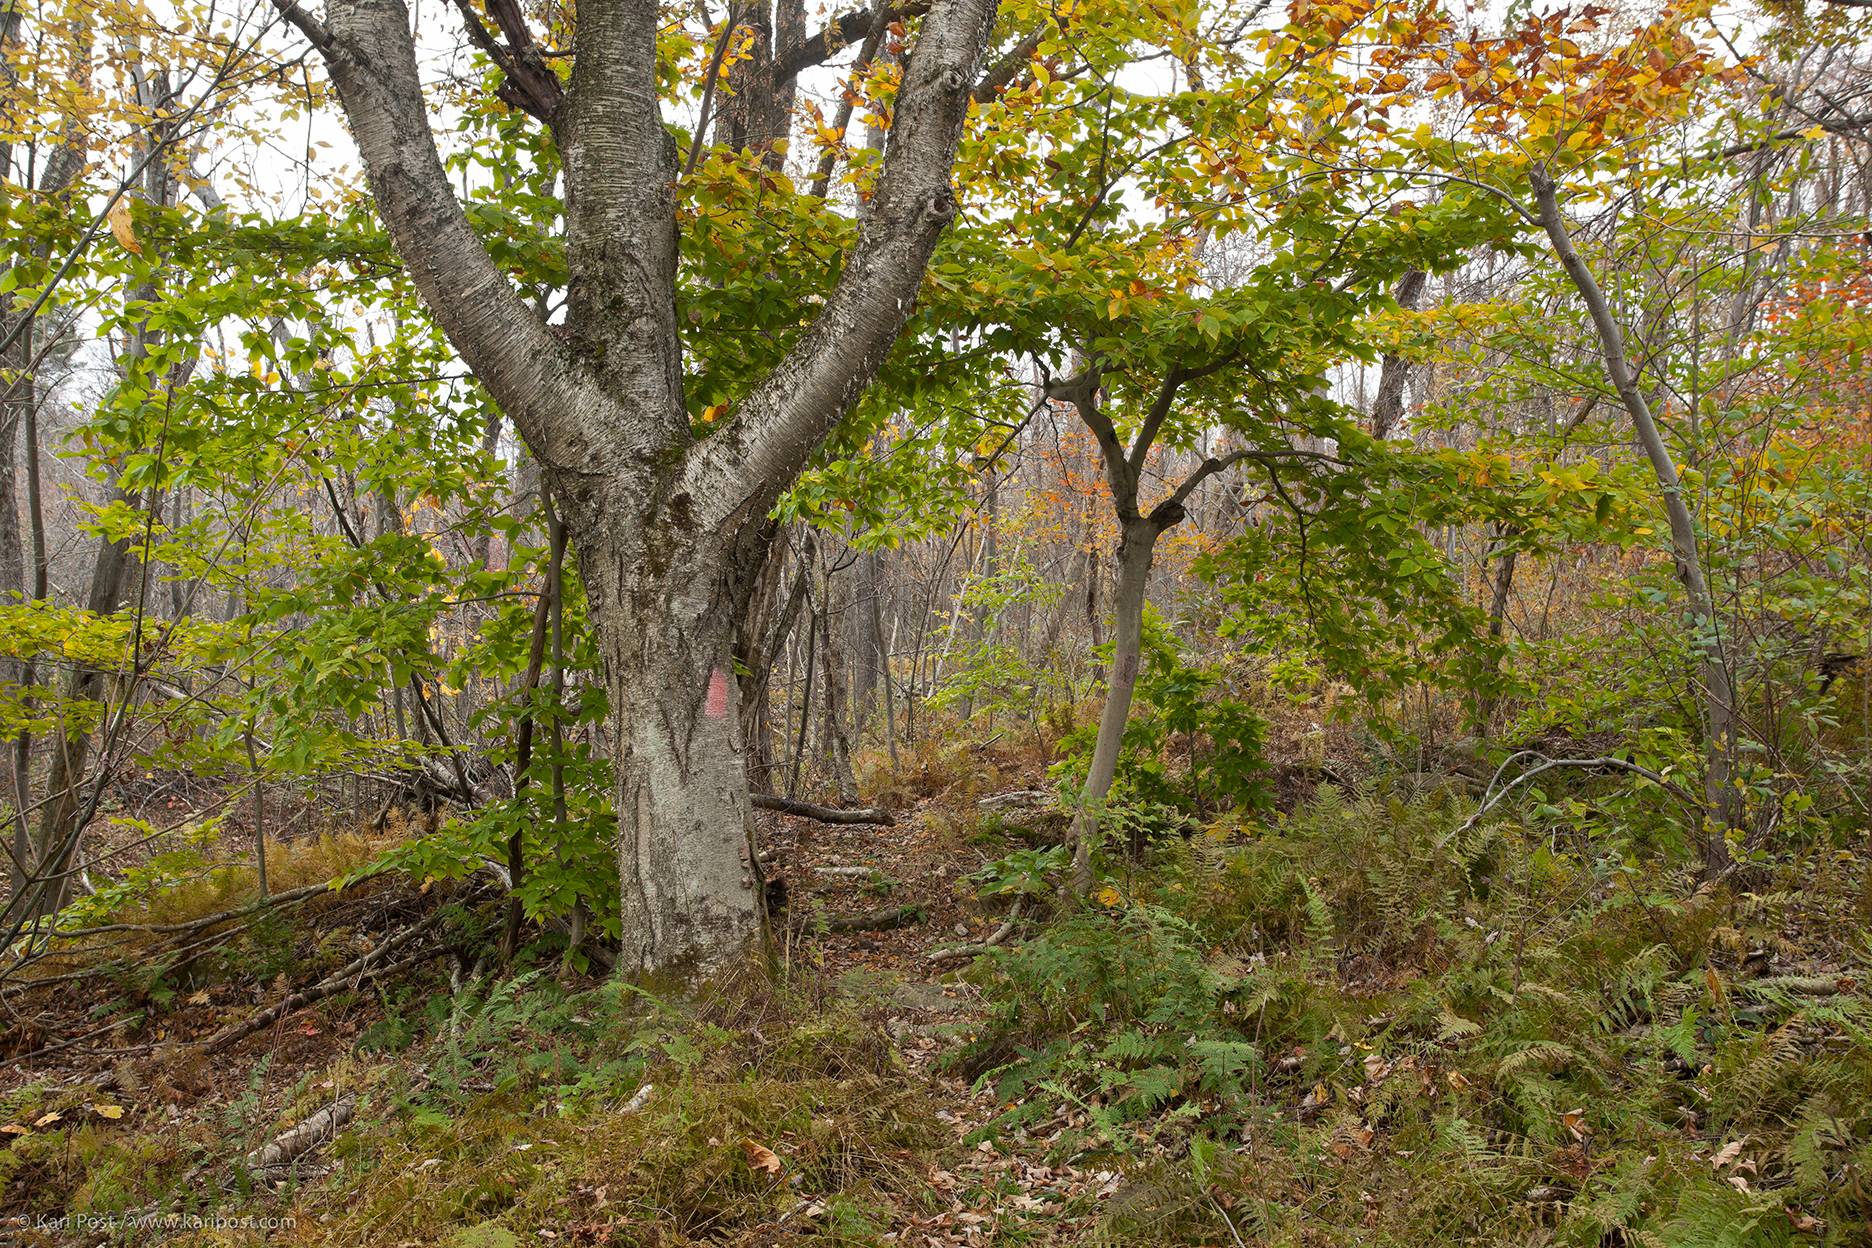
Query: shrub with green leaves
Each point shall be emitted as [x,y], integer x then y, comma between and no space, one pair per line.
[1190,746]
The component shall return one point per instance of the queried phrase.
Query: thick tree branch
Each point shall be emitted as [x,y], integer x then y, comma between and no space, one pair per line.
[1001,75]
[621,173]
[372,60]
[737,473]
[1081,390]
[1388,407]
[307,25]
[843,31]
[1153,419]
[1174,380]
[530,84]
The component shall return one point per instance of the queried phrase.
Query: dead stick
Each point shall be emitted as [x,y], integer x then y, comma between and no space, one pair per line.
[824,814]
[953,953]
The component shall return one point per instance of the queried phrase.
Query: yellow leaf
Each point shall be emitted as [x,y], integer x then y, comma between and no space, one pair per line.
[13,1128]
[122,228]
[46,1120]
[109,1111]
[1109,896]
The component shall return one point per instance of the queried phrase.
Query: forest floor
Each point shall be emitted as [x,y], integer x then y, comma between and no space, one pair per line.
[1361,1022]
[866,908]
[925,1006]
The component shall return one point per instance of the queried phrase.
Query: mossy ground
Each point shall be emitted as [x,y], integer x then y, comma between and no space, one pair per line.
[1364,1024]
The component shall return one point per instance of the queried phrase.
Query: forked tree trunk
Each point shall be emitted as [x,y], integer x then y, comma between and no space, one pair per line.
[670,529]
[1136,546]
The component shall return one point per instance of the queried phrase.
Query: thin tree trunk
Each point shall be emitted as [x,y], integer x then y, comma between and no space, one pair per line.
[1720,795]
[806,701]
[884,647]
[259,813]
[65,802]
[543,611]
[1135,553]
[838,754]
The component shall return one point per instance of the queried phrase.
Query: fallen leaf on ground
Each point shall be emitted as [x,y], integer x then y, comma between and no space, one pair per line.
[761,1158]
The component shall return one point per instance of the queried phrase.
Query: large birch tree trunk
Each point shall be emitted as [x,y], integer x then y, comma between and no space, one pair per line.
[688,886]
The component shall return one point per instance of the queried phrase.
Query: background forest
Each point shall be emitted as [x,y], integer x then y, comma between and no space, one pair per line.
[1192,622]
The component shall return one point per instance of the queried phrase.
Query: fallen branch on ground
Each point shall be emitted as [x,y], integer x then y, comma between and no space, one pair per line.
[316,1131]
[955,953]
[1021,799]
[371,962]
[872,921]
[824,814]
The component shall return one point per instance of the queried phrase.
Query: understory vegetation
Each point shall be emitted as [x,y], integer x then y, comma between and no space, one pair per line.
[1371,1020]
[1371,1024]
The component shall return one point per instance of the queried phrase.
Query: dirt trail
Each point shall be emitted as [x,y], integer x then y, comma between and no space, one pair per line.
[992,1187]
